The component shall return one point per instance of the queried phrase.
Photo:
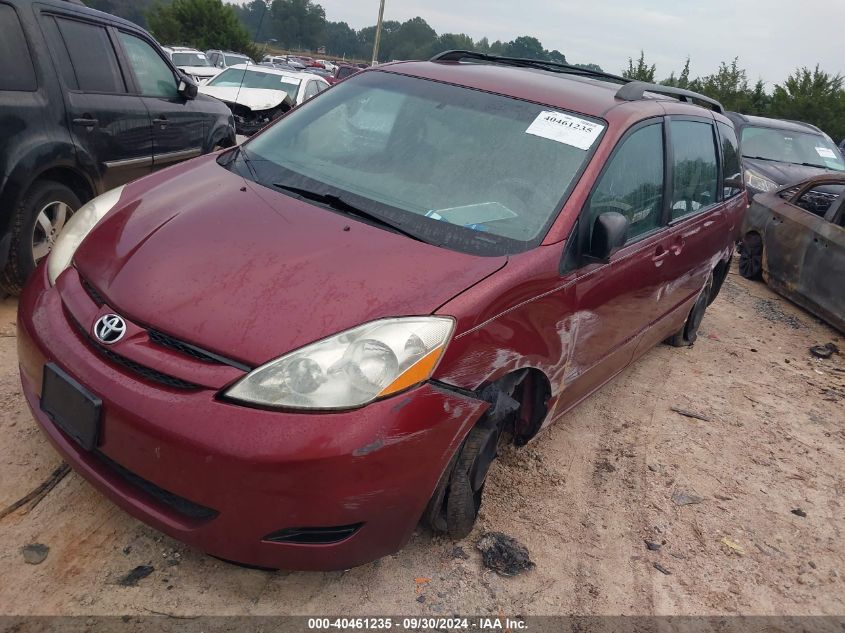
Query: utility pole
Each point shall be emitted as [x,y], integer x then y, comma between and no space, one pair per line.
[378,33]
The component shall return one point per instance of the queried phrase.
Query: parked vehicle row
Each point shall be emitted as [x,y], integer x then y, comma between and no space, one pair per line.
[88,102]
[192,62]
[289,353]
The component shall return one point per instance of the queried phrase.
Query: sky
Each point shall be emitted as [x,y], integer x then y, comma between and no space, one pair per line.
[770,37]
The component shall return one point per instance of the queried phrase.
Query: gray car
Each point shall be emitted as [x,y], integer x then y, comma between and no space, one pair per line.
[794,238]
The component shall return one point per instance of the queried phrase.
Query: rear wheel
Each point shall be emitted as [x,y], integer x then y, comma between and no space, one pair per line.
[39,217]
[751,256]
[688,334]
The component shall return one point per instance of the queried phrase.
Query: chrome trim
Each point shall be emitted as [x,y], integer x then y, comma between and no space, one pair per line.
[172,157]
[129,162]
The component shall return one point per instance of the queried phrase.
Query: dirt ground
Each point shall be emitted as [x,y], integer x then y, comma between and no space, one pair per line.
[584,498]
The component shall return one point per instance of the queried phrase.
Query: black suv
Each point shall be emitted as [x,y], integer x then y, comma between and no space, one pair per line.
[777,152]
[88,101]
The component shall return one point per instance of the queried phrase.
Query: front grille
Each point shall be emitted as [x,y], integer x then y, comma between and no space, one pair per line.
[165,340]
[145,372]
[183,506]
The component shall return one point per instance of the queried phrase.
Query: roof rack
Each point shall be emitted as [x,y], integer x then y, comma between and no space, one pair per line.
[635,91]
[458,55]
[630,91]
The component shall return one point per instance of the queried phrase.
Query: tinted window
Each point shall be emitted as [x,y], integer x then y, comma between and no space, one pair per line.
[632,182]
[16,71]
[92,55]
[155,78]
[731,168]
[59,52]
[695,174]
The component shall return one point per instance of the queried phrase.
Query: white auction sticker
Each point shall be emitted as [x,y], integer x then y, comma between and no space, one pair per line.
[825,152]
[565,128]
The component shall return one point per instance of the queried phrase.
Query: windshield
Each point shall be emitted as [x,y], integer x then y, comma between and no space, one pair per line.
[234,60]
[787,146]
[241,78]
[190,59]
[458,167]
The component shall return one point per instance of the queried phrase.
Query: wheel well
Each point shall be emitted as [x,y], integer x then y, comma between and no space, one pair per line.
[520,403]
[71,179]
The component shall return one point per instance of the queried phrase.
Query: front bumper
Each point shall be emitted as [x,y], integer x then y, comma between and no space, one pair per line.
[257,471]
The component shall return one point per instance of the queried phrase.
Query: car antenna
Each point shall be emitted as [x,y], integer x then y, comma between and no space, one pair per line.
[257,32]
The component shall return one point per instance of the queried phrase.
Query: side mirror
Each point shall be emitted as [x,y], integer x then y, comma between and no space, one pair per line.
[610,231]
[735,182]
[187,88]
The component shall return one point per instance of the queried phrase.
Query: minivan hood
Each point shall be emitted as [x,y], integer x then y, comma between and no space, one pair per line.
[252,98]
[223,263]
[784,173]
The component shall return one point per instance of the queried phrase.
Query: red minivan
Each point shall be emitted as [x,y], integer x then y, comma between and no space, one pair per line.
[288,353]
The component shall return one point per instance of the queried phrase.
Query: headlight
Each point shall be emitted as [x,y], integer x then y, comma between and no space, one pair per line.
[79,225]
[758,182]
[350,369]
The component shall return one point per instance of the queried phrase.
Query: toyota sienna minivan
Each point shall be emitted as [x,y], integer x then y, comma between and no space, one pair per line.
[290,353]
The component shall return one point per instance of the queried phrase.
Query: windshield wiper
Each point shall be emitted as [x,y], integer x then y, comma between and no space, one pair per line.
[774,160]
[339,204]
[815,165]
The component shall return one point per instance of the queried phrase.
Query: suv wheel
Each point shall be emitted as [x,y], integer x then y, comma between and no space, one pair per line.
[37,221]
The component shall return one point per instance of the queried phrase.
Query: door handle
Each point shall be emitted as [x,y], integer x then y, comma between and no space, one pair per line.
[161,122]
[660,254]
[86,121]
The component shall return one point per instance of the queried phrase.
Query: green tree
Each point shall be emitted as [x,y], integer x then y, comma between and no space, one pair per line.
[555,56]
[728,85]
[412,40]
[813,96]
[132,10]
[299,24]
[594,67]
[640,72]
[342,40]
[682,81]
[525,46]
[200,23]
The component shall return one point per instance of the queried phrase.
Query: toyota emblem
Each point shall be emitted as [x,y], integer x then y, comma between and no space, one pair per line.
[109,328]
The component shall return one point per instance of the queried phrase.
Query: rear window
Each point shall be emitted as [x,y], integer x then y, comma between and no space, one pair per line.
[16,71]
[787,146]
[452,164]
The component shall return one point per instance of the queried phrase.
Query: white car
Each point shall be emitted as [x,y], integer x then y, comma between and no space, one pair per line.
[258,95]
[192,62]
[331,67]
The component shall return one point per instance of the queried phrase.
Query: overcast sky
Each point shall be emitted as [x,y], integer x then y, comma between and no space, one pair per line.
[771,37]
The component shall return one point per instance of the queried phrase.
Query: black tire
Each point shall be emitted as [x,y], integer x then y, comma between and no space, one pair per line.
[751,256]
[454,507]
[688,334]
[21,261]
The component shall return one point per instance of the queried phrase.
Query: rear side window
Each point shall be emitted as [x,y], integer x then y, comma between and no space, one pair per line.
[731,168]
[311,89]
[632,182]
[92,57]
[155,78]
[16,71]
[695,174]
[59,52]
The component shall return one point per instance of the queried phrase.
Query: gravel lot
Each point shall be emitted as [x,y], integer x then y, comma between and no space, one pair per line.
[584,498]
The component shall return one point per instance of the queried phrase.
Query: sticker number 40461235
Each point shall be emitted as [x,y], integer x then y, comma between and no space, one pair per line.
[565,128]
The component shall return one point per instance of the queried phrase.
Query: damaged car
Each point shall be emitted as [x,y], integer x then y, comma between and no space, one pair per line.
[258,95]
[289,353]
[794,239]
